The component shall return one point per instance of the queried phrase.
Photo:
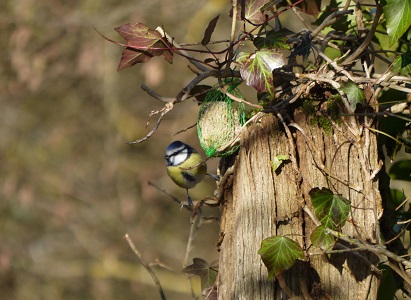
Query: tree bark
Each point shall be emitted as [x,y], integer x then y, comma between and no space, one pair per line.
[263,203]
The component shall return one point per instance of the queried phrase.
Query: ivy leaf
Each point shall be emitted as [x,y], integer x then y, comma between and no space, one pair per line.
[402,64]
[398,15]
[209,31]
[273,39]
[320,239]
[200,92]
[279,254]
[303,48]
[256,69]
[401,170]
[142,44]
[388,283]
[278,160]
[251,10]
[354,94]
[332,210]
[207,272]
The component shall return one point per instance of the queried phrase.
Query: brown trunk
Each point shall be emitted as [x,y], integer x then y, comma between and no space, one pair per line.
[263,203]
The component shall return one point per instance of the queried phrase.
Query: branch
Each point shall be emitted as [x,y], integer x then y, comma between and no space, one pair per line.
[376,249]
[183,52]
[367,39]
[146,266]
[331,19]
[169,106]
[155,95]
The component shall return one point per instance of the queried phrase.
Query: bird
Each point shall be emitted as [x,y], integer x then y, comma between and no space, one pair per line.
[184,166]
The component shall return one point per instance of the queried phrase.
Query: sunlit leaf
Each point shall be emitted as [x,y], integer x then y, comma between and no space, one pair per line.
[354,94]
[279,254]
[278,160]
[398,15]
[209,31]
[251,10]
[142,44]
[256,69]
[330,209]
[320,239]
[207,272]
[402,64]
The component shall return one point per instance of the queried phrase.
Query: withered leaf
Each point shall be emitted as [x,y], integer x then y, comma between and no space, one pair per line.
[142,44]
[209,31]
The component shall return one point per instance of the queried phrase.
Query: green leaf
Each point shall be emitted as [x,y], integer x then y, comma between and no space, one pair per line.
[354,94]
[332,210]
[397,197]
[401,170]
[273,39]
[279,254]
[320,239]
[207,272]
[388,283]
[256,69]
[278,160]
[398,15]
[402,64]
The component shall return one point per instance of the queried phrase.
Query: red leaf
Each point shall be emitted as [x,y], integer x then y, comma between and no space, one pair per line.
[142,44]
[251,10]
[311,7]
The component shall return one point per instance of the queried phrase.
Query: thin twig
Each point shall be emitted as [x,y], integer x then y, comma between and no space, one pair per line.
[185,53]
[146,266]
[189,208]
[168,107]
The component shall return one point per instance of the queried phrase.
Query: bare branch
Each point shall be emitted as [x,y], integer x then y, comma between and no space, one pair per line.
[376,249]
[155,95]
[168,107]
[146,266]
[367,39]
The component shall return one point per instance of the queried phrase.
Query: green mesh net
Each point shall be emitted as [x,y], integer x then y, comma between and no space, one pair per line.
[219,121]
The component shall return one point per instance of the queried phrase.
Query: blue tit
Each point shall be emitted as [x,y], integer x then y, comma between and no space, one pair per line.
[184,166]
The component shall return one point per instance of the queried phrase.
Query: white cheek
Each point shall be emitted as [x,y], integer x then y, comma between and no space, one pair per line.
[179,158]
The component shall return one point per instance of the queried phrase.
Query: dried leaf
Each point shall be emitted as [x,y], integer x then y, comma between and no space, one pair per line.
[209,31]
[207,272]
[142,44]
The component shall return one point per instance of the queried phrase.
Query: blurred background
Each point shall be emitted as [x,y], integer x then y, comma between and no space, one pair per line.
[70,185]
